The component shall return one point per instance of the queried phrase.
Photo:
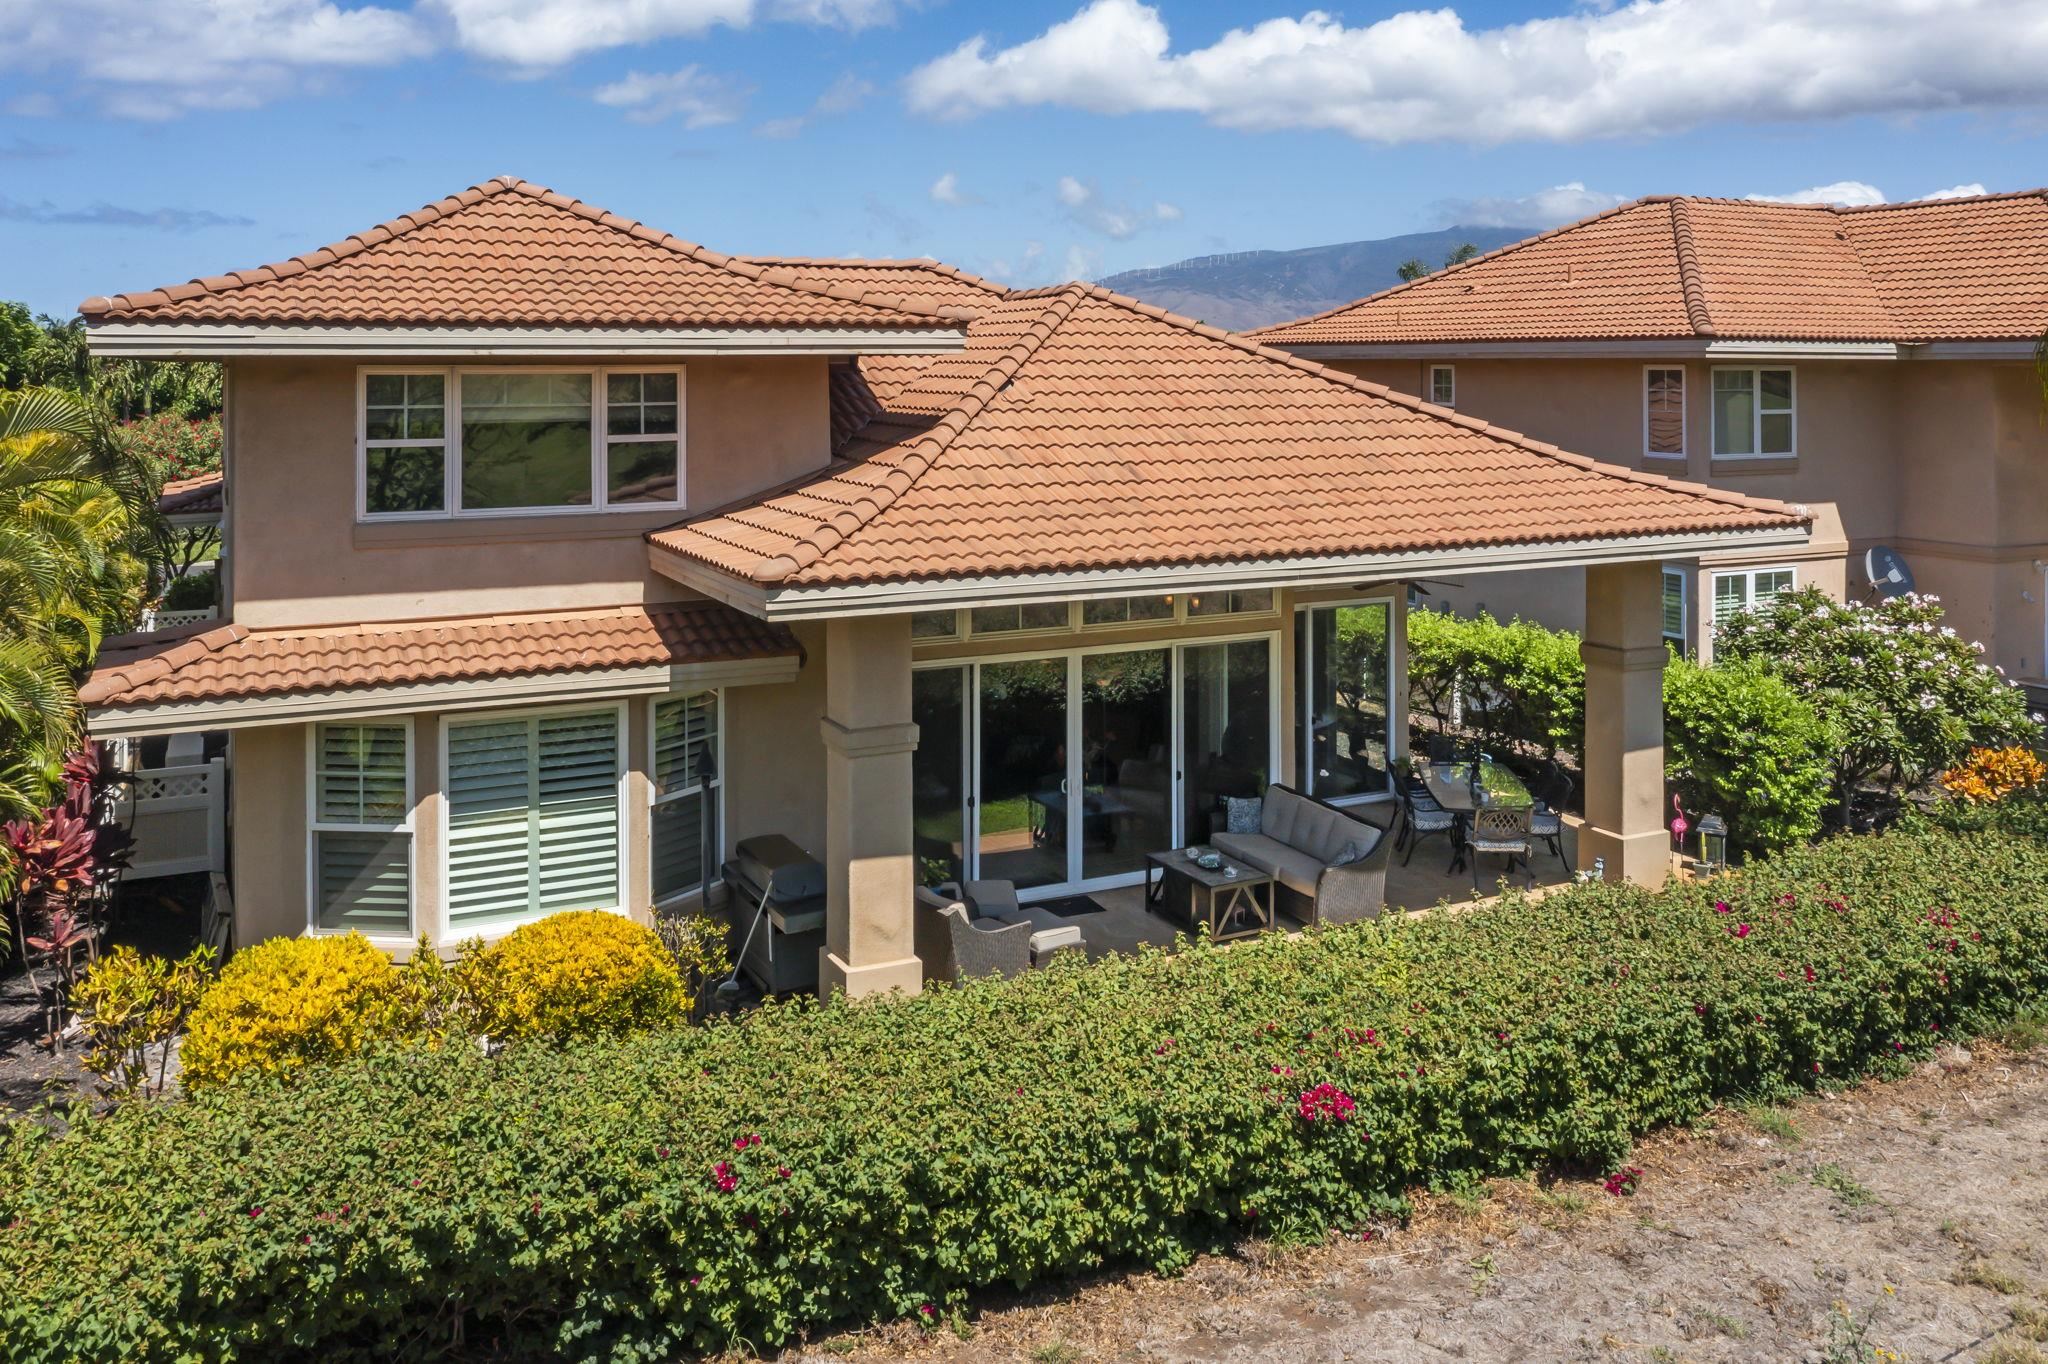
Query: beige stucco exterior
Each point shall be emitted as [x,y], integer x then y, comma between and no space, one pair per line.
[1945,460]
[303,558]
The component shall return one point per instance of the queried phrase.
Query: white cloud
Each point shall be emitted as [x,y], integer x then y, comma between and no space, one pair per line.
[155,59]
[1086,206]
[1850,193]
[698,98]
[1956,192]
[842,96]
[946,190]
[1545,208]
[779,129]
[1082,262]
[542,33]
[1634,70]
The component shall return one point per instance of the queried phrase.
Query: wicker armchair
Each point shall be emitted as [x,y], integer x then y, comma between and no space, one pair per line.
[953,948]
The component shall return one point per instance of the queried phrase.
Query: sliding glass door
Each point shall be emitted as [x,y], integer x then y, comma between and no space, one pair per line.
[1061,772]
[1346,678]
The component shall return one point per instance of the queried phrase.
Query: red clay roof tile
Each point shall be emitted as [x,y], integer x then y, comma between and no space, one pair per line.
[1685,268]
[231,662]
[510,253]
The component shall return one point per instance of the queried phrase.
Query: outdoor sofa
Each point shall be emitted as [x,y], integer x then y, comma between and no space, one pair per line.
[1329,865]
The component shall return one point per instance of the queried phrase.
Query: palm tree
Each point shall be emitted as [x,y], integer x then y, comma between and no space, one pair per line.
[77,519]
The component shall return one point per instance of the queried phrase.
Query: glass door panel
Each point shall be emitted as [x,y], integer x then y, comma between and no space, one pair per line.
[1021,822]
[938,774]
[1126,759]
[1345,655]
[1226,730]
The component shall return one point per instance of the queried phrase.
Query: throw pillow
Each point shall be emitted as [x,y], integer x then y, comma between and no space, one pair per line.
[1357,850]
[1241,814]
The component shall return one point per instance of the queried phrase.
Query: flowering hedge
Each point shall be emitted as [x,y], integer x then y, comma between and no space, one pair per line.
[692,1188]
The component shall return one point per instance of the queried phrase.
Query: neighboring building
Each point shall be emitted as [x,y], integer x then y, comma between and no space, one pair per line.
[1873,364]
[564,553]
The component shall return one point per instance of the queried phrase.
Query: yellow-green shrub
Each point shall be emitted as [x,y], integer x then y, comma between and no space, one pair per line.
[284,1004]
[586,973]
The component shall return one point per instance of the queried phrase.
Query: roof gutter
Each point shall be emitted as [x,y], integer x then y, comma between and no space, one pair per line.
[870,599]
[226,340]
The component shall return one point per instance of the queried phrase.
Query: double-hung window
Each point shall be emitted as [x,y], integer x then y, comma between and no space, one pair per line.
[533,816]
[361,826]
[1664,412]
[496,441]
[1748,589]
[683,826]
[1753,413]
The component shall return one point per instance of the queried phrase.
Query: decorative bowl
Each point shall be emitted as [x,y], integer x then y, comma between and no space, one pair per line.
[1209,861]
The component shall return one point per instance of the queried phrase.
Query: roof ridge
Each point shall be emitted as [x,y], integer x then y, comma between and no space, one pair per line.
[929,445]
[1690,277]
[193,647]
[927,263]
[1467,264]
[358,242]
[1245,341]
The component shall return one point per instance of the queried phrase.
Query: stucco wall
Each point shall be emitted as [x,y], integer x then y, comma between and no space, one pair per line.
[300,558]
[268,833]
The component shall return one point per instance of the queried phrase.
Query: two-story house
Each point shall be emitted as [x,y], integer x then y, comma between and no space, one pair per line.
[1872,364]
[562,553]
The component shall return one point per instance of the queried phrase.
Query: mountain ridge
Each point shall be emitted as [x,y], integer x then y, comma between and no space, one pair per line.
[1241,290]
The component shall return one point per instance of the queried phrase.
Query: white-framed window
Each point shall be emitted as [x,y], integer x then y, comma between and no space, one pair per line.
[1744,589]
[503,440]
[935,625]
[1252,602]
[1675,608]
[1753,413]
[1010,620]
[359,818]
[1127,610]
[684,823]
[1664,411]
[533,803]
[1443,385]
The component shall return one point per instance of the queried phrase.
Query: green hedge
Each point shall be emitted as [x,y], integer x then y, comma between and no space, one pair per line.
[612,1200]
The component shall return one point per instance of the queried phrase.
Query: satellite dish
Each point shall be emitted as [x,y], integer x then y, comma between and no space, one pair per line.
[1887,571]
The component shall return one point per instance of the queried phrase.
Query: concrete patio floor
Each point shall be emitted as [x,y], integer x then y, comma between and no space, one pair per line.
[1123,921]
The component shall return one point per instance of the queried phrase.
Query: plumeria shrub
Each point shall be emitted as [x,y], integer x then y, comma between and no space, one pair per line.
[687,1189]
[283,1005]
[1900,695]
[577,974]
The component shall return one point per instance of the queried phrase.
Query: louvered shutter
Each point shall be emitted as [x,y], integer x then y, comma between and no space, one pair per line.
[362,851]
[682,826]
[533,816]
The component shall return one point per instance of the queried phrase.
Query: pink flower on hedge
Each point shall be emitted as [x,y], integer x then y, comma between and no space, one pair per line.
[255,1212]
[1721,907]
[1326,1103]
[724,1177]
[1740,930]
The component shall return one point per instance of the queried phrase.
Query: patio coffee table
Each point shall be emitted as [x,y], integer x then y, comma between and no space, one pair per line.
[1235,898]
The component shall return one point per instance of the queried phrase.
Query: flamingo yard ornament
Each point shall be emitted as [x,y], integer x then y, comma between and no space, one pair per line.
[1678,824]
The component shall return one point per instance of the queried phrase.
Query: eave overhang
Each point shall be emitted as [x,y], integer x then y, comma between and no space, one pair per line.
[228,340]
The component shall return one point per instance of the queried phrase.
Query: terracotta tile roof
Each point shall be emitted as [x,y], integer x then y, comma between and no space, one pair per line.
[232,661]
[198,496]
[1686,268]
[927,281]
[510,253]
[1082,430]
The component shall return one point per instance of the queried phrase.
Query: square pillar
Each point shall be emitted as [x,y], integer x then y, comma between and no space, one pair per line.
[1624,758]
[870,875]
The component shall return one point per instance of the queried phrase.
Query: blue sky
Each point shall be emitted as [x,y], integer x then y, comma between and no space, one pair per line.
[147,141]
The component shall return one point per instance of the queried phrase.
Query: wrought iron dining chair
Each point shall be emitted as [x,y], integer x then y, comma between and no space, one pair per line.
[1504,831]
[1546,822]
[1422,817]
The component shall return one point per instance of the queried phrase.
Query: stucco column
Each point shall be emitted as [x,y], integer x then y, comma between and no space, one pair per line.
[1624,758]
[869,871]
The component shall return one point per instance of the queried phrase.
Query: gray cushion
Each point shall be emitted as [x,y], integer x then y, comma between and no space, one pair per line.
[1005,916]
[1241,813]
[1277,815]
[1298,871]
[1322,833]
[1358,849]
[1255,850]
[990,896]
[932,899]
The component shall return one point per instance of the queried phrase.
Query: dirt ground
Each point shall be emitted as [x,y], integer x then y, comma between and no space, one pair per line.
[1902,1223]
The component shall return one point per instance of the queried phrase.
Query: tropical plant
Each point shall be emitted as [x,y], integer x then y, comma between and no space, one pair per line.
[286,1004]
[1992,774]
[78,526]
[1742,744]
[131,1005]
[1900,695]
[583,973]
[702,949]
[174,445]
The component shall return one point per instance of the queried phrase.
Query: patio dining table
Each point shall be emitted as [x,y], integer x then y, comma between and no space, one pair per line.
[1451,785]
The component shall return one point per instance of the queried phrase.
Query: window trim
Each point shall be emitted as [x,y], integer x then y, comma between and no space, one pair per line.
[1450,372]
[1749,573]
[714,874]
[1304,698]
[315,826]
[1683,639]
[1756,413]
[623,790]
[451,443]
[1684,414]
